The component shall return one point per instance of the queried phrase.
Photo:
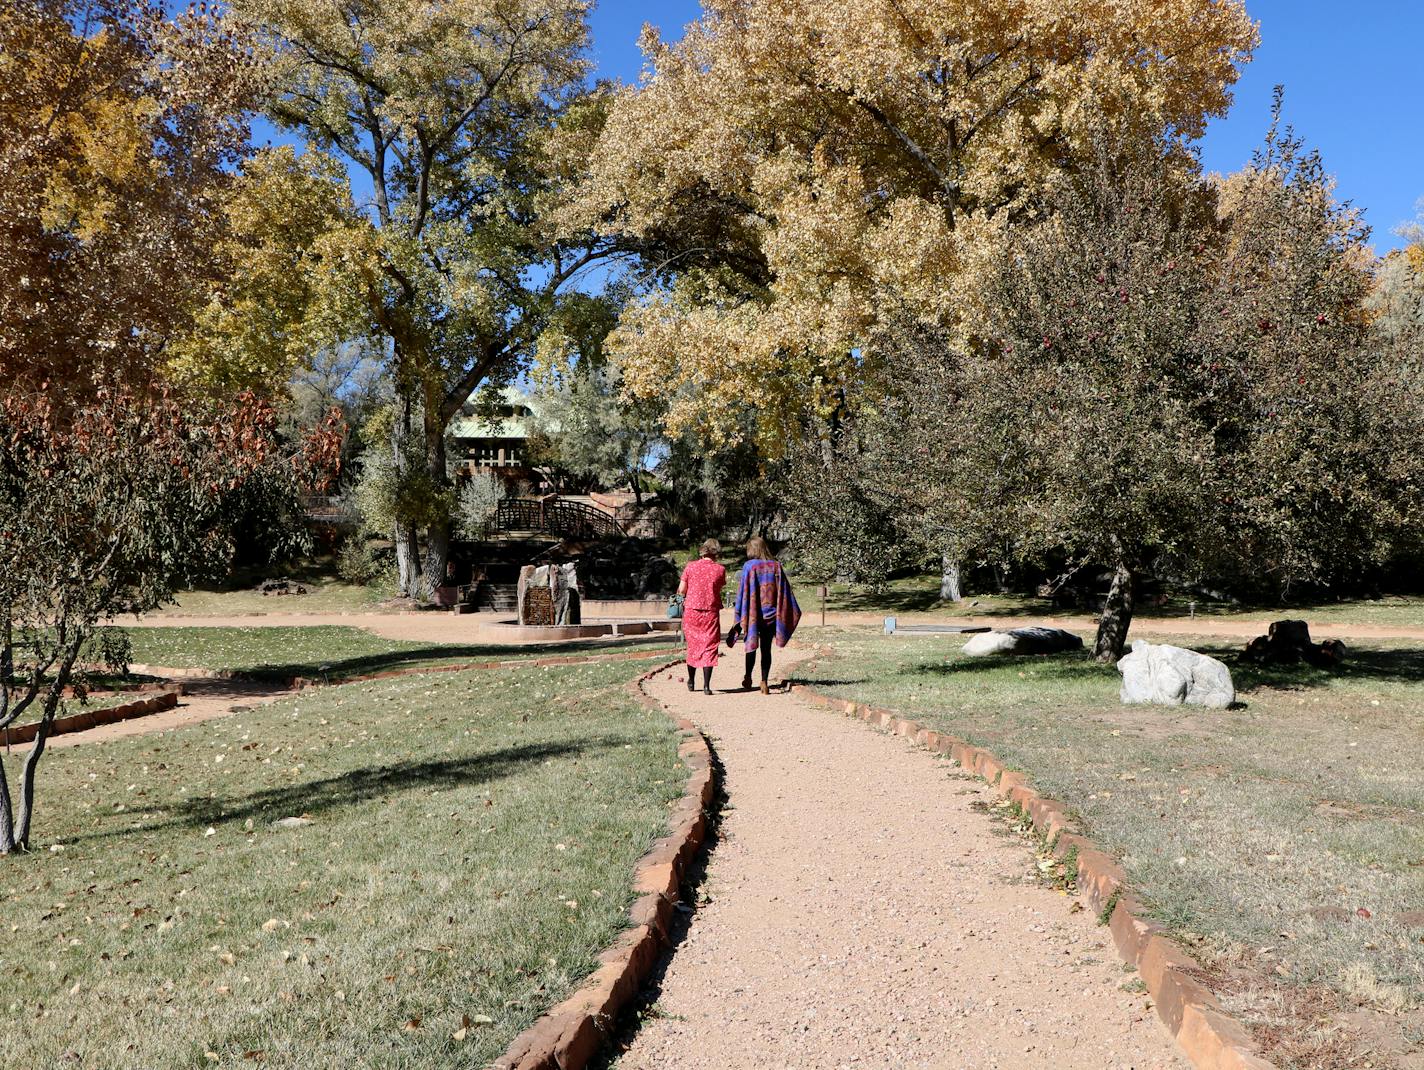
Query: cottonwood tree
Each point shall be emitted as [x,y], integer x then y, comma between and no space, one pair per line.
[121,126]
[297,272]
[583,426]
[109,506]
[462,118]
[804,170]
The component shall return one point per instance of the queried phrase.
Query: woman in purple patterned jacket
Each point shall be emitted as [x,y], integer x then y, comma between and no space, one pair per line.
[766,609]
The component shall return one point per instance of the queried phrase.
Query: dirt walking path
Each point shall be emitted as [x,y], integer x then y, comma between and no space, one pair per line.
[865,914]
[481,628]
[204,700]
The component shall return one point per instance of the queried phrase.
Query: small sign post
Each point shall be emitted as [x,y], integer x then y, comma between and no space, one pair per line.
[821,590]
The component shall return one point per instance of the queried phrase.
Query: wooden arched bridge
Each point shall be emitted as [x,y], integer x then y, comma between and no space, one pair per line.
[558,517]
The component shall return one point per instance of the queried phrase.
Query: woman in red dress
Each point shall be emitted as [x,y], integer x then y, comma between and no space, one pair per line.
[702,583]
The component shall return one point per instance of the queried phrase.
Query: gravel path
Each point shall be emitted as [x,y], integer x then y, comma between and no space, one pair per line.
[864,914]
[203,700]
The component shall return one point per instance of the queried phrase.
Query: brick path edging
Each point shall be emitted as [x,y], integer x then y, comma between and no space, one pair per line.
[569,1035]
[1209,1037]
[86,719]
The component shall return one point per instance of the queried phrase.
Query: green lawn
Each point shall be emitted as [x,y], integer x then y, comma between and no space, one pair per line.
[329,650]
[1251,832]
[470,851]
[324,595]
[920,594]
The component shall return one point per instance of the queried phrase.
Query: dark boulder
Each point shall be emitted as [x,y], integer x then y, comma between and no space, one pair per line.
[1288,642]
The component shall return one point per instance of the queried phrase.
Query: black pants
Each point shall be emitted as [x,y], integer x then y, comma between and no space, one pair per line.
[765,635]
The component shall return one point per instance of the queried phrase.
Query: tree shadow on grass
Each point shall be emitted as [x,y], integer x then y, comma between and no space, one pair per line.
[1046,667]
[360,785]
[889,601]
[432,656]
[1401,666]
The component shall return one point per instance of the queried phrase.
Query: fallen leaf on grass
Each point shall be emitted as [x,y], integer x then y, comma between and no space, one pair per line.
[412,1025]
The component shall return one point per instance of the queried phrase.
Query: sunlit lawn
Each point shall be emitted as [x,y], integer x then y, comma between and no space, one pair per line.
[330,651]
[470,850]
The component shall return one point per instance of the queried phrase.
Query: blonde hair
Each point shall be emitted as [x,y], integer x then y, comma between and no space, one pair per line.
[758,549]
[710,549]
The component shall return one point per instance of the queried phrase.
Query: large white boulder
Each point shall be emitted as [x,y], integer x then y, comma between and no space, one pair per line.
[1172,676]
[1022,641]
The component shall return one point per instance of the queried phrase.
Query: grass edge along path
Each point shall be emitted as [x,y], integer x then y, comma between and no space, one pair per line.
[331,652]
[282,982]
[1209,1037]
[570,1035]
[1252,834]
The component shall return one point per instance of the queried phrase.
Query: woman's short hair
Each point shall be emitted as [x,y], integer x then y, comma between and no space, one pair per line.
[710,549]
[757,549]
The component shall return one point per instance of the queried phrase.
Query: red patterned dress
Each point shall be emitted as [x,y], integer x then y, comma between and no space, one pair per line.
[702,612]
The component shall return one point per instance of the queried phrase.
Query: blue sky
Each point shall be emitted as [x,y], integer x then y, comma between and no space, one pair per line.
[1351,73]
[1352,90]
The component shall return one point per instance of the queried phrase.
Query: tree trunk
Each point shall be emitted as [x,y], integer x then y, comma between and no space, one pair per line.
[437,538]
[7,817]
[1116,617]
[404,536]
[949,579]
[7,671]
[437,559]
[20,839]
[407,560]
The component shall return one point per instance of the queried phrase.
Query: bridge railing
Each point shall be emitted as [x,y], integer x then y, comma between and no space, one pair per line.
[562,519]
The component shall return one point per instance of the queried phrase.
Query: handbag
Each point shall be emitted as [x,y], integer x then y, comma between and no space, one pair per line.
[733,634]
[674,610]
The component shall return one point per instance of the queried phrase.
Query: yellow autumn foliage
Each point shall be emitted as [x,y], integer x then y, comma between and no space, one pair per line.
[865,152]
[120,122]
[301,261]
